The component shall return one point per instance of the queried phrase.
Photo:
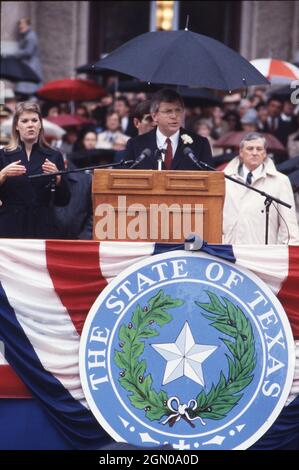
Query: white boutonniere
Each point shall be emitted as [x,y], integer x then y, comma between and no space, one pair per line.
[186,139]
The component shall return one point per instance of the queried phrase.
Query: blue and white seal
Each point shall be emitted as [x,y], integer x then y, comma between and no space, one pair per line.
[188,350]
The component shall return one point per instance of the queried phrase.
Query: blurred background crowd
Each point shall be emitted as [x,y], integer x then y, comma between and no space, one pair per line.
[105,124]
[108,122]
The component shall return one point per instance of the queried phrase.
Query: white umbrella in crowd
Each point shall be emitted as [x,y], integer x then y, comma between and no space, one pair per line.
[279,72]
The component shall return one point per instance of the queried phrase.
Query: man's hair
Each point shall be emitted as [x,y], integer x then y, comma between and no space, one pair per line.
[111,112]
[124,99]
[142,108]
[253,136]
[167,95]
[260,105]
[274,98]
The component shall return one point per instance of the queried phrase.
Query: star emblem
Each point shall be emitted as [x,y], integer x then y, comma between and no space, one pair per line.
[184,357]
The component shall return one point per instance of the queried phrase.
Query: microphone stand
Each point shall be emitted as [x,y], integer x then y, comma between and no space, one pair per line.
[160,162]
[52,189]
[268,198]
[160,158]
[75,170]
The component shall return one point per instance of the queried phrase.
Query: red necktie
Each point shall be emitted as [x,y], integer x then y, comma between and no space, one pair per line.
[168,154]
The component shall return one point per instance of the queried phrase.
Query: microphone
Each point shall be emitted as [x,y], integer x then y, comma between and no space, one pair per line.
[189,153]
[145,153]
[160,153]
[160,157]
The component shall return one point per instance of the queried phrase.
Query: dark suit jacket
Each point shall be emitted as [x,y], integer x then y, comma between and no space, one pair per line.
[283,129]
[200,147]
[74,221]
[130,129]
[26,209]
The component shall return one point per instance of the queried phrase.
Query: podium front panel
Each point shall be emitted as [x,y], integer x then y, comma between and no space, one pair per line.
[157,206]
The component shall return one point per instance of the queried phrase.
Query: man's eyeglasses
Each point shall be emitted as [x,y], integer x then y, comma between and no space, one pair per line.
[169,112]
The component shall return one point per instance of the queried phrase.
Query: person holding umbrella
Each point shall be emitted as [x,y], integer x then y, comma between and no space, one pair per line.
[27,203]
[169,138]
[244,209]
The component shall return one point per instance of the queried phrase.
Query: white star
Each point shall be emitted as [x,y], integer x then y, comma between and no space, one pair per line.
[184,357]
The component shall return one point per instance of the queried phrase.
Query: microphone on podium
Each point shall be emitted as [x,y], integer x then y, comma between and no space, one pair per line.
[189,153]
[202,165]
[144,154]
[160,157]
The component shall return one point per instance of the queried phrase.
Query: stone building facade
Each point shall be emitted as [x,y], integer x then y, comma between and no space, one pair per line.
[76,32]
[270,29]
[62,30]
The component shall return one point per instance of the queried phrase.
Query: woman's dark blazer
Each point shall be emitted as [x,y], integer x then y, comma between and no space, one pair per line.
[26,207]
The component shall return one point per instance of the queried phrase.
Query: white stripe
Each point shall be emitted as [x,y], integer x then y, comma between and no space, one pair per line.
[263,66]
[269,262]
[3,361]
[293,68]
[117,256]
[44,319]
[2,354]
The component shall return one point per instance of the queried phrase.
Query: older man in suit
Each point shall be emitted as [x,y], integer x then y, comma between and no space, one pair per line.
[169,138]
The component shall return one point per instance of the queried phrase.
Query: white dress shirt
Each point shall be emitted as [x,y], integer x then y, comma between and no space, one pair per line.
[255,173]
[161,140]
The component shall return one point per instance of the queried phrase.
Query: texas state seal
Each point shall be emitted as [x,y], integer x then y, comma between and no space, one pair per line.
[187,350]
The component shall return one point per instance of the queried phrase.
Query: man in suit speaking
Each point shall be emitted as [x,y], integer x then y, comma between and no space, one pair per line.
[169,141]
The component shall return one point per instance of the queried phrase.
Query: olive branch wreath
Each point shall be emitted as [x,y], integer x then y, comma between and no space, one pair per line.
[218,402]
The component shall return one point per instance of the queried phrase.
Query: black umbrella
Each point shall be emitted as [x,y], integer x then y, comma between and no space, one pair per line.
[198,97]
[15,70]
[182,58]
[192,96]
[133,85]
[92,70]
[86,68]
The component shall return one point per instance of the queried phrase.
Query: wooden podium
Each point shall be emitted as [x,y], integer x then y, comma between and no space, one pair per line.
[158,206]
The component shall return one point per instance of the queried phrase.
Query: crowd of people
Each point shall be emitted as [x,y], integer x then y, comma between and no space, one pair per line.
[120,126]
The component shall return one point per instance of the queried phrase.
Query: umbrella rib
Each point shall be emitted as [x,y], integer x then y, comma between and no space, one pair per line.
[167,51]
[177,39]
[177,56]
[212,58]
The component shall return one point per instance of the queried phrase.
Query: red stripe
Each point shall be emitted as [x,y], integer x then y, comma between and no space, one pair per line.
[289,292]
[11,386]
[74,267]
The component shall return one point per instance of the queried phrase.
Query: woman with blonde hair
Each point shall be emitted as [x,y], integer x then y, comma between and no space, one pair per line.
[26,210]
